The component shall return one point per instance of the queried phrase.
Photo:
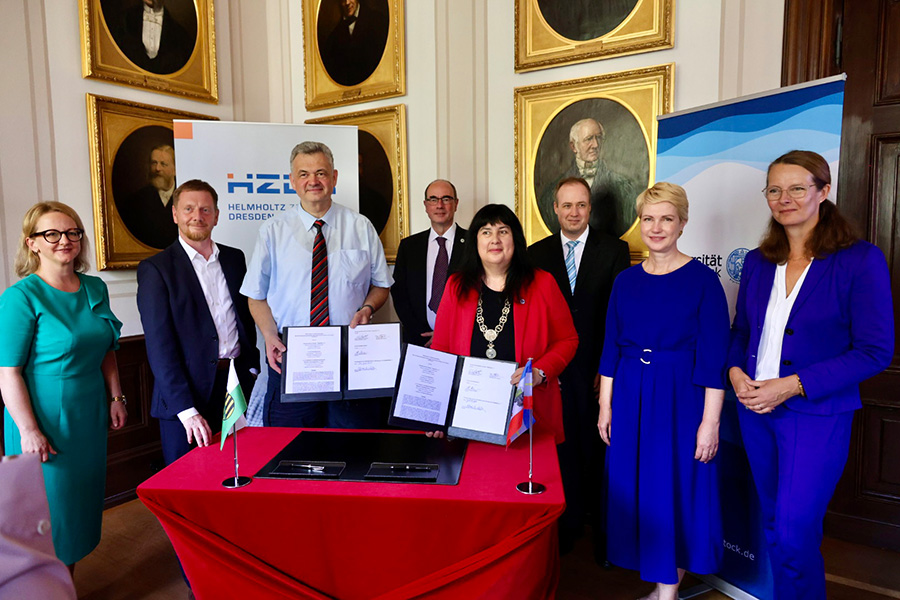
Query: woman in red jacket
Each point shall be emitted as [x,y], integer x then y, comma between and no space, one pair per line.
[499,306]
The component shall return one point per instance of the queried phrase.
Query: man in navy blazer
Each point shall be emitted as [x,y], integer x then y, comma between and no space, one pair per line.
[195,321]
[597,258]
[415,292]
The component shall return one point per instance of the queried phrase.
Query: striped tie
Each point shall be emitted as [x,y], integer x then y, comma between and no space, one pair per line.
[570,263]
[318,303]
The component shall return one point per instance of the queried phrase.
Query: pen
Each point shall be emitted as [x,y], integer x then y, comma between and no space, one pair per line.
[410,468]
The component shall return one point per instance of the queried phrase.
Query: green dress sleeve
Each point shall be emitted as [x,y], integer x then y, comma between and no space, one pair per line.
[17,322]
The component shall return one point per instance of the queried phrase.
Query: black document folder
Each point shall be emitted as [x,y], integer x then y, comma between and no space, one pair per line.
[368,456]
[437,395]
[324,371]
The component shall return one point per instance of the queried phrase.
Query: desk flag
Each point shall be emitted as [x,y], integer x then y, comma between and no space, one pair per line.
[235,404]
[523,410]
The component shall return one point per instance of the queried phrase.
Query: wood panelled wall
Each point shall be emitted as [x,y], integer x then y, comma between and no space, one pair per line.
[134,452]
[862,39]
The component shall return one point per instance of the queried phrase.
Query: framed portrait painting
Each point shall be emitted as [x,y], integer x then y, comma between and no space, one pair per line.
[353,51]
[600,128]
[166,46]
[133,176]
[382,170]
[550,33]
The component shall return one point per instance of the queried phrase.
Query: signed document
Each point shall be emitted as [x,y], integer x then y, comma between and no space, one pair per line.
[313,360]
[482,402]
[469,398]
[425,386]
[373,355]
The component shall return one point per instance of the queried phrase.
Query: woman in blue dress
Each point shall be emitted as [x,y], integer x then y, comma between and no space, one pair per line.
[57,364]
[661,393]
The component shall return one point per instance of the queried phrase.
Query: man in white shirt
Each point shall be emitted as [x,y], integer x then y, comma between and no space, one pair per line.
[195,322]
[316,264]
[425,261]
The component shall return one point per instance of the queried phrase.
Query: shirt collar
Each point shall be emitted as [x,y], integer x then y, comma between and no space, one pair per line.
[192,253]
[450,234]
[309,220]
[154,14]
[582,239]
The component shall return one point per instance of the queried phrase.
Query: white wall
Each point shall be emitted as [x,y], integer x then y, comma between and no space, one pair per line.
[460,82]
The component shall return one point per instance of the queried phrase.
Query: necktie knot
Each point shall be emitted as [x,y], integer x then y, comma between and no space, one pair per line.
[442,241]
[571,245]
[318,224]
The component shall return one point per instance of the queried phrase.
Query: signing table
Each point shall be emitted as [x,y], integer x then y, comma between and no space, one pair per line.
[348,540]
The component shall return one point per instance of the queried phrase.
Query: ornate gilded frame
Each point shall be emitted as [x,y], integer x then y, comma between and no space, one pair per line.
[103,58]
[387,80]
[644,93]
[388,126]
[110,123]
[650,26]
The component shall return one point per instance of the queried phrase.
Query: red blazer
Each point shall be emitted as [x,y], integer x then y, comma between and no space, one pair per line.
[543,332]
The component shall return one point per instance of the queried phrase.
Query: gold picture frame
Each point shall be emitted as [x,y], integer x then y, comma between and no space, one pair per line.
[623,107]
[342,69]
[184,63]
[550,33]
[124,137]
[382,153]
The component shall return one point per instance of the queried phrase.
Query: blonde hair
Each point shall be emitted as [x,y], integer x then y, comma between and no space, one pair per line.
[27,262]
[663,191]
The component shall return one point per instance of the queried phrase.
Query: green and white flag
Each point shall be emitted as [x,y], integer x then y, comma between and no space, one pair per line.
[235,404]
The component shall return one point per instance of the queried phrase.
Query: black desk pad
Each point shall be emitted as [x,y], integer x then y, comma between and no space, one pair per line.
[368,456]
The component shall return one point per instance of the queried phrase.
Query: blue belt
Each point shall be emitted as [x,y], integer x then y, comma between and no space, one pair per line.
[649,356]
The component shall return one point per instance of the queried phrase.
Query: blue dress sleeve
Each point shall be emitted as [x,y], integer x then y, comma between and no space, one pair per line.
[712,334]
[18,320]
[609,360]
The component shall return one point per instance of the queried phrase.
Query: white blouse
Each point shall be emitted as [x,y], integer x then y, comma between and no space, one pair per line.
[768,363]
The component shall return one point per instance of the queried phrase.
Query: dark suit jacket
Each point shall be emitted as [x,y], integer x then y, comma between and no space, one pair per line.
[147,219]
[603,259]
[175,45]
[408,291]
[351,59]
[182,344]
[839,333]
[612,201]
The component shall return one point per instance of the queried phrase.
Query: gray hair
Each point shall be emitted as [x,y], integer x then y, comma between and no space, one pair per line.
[313,148]
[573,132]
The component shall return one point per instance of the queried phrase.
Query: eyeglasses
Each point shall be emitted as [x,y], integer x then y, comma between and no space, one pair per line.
[52,235]
[795,191]
[442,199]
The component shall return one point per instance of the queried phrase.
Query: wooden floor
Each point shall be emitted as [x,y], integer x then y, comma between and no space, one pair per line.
[135,562]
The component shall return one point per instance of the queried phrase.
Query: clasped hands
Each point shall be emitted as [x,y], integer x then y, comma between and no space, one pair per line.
[762,396]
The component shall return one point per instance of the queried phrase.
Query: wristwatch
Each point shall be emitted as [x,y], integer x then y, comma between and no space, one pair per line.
[121,399]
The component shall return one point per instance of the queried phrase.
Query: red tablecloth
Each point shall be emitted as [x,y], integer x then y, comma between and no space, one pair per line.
[348,540]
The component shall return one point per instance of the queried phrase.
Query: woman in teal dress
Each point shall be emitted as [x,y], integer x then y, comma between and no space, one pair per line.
[57,366]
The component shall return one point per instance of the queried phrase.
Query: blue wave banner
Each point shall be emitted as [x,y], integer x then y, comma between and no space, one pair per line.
[720,154]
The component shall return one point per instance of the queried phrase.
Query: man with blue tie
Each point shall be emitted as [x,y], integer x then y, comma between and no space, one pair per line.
[584,262]
[425,261]
[316,264]
[195,322]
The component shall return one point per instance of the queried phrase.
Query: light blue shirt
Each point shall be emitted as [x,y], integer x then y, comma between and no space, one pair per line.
[280,269]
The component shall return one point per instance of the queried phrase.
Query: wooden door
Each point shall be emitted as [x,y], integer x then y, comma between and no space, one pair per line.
[862,39]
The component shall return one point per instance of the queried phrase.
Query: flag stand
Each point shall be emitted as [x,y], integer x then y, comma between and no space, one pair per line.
[531,487]
[238,480]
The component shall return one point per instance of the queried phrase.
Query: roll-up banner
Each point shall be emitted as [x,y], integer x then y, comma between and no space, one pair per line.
[719,154]
[248,164]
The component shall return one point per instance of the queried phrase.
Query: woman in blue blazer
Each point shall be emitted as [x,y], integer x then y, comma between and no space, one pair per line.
[814,318]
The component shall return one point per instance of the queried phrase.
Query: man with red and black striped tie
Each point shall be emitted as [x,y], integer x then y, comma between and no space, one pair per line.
[319,263]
